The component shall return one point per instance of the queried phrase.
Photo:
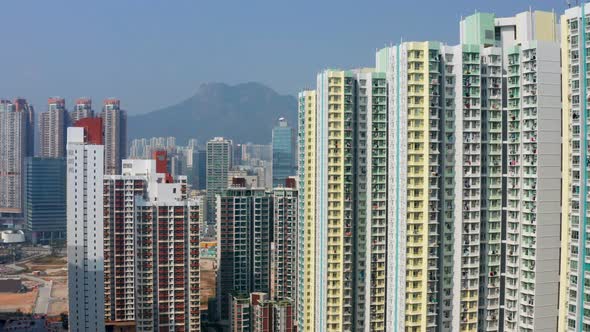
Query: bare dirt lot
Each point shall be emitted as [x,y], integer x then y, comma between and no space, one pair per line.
[49,268]
[53,268]
[23,302]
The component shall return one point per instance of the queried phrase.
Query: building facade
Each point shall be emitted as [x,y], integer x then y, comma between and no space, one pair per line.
[404,203]
[85,231]
[82,109]
[200,169]
[45,199]
[244,232]
[52,129]
[218,165]
[284,155]
[240,313]
[306,217]
[255,312]
[16,143]
[575,271]
[151,249]
[337,122]
[283,270]
[115,135]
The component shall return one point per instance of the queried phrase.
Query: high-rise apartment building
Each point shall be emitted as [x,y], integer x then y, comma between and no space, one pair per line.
[82,109]
[257,232]
[244,232]
[252,151]
[283,267]
[261,312]
[283,316]
[240,316]
[284,156]
[269,315]
[151,248]
[452,124]
[21,105]
[190,167]
[237,152]
[219,154]
[120,240]
[115,135]
[85,228]
[575,271]
[255,312]
[142,148]
[343,137]
[16,143]
[52,129]
[440,193]
[45,199]
[137,148]
[306,243]
[200,169]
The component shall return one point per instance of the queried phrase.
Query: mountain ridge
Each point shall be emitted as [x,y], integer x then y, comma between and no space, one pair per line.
[244,112]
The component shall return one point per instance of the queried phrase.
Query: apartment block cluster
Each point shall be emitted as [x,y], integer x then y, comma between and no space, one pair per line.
[32,167]
[257,240]
[445,189]
[189,160]
[211,166]
[133,242]
[134,237]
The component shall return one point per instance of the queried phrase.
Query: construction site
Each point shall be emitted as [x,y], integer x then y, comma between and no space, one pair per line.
[34,282]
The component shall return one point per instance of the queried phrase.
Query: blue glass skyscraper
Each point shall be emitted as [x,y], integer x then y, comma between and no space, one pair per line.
[284,163]
[45,199]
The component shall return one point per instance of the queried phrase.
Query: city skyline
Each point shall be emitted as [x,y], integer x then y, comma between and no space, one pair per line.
[439,184]
[144,81]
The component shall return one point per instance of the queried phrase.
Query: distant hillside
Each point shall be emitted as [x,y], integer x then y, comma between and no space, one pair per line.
[244,112]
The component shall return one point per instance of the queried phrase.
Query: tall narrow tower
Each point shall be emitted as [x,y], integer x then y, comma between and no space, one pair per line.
[218,164]
[115,135]
[575,270]
[52,129]
[82,109]
[85,231]
[283,153]
[15,145]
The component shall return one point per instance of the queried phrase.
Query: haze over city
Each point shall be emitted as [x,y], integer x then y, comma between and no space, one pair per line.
[304,166]
[155,55]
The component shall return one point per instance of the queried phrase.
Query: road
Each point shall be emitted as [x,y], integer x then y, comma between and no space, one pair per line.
[43,296]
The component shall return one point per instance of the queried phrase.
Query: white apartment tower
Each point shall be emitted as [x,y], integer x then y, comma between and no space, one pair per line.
[52,129]
[219,154]
[85,232]
[16,143]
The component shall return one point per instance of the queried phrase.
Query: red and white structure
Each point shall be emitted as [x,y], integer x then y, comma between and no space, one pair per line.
[151,248]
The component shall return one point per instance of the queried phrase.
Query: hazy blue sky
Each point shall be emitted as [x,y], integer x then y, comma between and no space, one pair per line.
[154,53]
